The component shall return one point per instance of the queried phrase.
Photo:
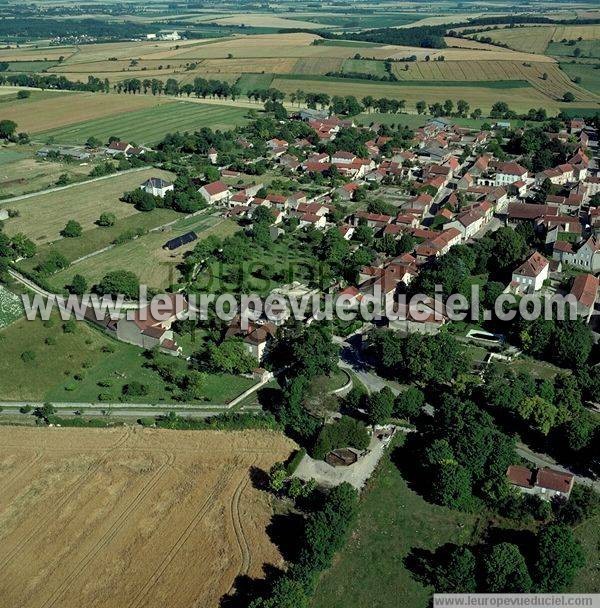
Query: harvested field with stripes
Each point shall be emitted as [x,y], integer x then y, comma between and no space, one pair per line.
[148,126]
[318,65]
[554,85]
[60,108]
[139,518]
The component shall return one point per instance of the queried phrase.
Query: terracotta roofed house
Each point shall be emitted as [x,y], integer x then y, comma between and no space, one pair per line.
[545,482]
[531,274]
[215,192]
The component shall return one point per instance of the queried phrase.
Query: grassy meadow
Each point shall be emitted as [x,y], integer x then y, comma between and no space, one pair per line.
[44,215]
[150,125]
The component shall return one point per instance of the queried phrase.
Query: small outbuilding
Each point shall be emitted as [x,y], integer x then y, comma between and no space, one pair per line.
[179,241]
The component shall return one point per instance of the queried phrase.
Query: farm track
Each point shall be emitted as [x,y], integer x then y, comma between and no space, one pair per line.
[185,535]
[238,528]
[114,529]
[59,504]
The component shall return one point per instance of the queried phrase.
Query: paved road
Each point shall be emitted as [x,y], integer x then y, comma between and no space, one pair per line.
[131,410]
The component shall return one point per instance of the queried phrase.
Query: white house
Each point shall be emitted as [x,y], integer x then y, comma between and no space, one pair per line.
[587,257]
[157,186]
[529,277]
[508,173]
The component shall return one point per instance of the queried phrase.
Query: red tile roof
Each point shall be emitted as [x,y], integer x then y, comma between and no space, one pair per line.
[585,289]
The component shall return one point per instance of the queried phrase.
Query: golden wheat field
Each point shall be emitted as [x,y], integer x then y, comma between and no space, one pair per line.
[97,518]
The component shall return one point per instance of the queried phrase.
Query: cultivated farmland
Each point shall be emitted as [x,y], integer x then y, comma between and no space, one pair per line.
[150,125]
[520,98]
[139,518]
[61,109]
[43,216]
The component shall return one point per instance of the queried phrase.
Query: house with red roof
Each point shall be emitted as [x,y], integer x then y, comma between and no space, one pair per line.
[529,277]
[150,327]
[215,192]
[545,482]
[585,291]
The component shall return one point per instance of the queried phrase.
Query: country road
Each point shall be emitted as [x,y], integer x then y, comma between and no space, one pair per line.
[124,410]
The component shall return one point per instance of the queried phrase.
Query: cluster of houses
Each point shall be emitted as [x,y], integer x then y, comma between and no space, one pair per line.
[459,193]
[445,189]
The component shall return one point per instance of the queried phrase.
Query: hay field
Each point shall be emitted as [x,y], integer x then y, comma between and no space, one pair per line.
[43,216]
[535,39]
[61,109]
[149,125]
[554,86]
[519,98]
[138,517]
[271,65]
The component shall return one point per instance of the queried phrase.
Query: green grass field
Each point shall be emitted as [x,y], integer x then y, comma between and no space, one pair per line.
[44,215]
[370,570]
[588,48]
[100,237]
[364,66]
[248,82]
[59,356]
[30,66]
[145,256]
[589,74]
[150,125]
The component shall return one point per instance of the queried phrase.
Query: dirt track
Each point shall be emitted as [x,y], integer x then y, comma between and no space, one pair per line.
[130,518]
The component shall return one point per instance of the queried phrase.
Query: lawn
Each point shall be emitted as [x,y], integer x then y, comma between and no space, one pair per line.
[145,256]
[150,125]
[93,357]
[44,215]
[588,578]
[393,519]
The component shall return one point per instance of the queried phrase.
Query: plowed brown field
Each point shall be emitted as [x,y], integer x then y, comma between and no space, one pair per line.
[131,518]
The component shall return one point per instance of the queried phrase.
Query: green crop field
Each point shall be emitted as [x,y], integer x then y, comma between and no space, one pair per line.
[589,74]
[30,66]
[479,95]
[150,125]
[248,82]
[365,66]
